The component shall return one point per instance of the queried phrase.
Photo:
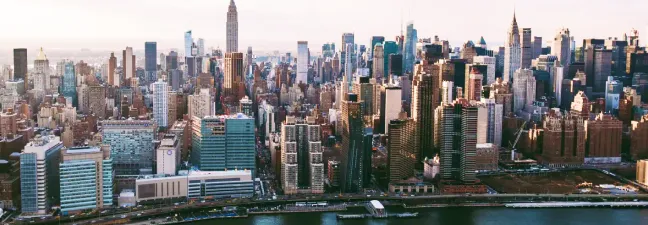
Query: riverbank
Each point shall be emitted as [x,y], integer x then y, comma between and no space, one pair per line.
[453,205]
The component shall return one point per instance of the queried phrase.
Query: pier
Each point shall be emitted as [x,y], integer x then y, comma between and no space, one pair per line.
[376,210]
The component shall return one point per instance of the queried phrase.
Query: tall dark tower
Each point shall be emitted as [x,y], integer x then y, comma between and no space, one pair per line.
[352,145]
[232,28]
[20,65]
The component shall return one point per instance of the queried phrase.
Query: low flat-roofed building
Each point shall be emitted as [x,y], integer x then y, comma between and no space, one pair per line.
[195,184]
[160,187]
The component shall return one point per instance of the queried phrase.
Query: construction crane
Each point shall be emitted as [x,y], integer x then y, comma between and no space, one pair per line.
[517,138]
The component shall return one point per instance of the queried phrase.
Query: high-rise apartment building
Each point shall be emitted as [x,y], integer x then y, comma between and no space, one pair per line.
[491,64]
[223,142]
[352,154]
[161,103]
[474,85]
[524,89]
[456,125]
[603,139]
[639,138]
[86,179]
[302,62]
[402,150]
[97,100]
[20,65]
[39,174]
[232,28]
[132,148]
[512,52]
[302,168]
[201,104]
[425,99]
[563,140]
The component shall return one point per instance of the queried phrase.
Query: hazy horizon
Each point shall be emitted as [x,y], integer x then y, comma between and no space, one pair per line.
[279,24]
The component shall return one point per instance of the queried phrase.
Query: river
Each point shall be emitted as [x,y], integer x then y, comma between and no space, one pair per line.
[460,216]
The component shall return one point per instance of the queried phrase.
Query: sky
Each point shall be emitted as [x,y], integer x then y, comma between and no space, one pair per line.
[269,25]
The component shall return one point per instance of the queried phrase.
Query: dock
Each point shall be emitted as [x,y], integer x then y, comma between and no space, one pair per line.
[362,216]
[376,210]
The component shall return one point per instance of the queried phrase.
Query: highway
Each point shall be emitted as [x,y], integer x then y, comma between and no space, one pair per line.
[391,199]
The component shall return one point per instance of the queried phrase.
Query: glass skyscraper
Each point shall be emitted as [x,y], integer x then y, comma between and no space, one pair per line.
[224,143]
[390,47]
[86,179]
[161,103]
[39,174]
[68,88]
[78,185]
[150,61]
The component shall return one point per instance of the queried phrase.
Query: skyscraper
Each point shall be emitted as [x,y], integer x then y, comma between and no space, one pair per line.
[526,48]
[613,90]
[491,64]
[20,65]
[561,48]
[352,145]
[233,74]
[161,103]
[524,89]
[302,167]
[374,41]
[512,51]
[68,89]
[456,126]
[150,64]
[232,28]
[378,65]
[112,65]
[39,174]
[302,62]
[188,42]
[391,105]
[41,72]
[473,91]
[410,46]
[364,89]
[401,148]
[128,64]
[223,143]
[425,99]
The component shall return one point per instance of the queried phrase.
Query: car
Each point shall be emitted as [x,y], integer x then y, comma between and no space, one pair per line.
[123,216]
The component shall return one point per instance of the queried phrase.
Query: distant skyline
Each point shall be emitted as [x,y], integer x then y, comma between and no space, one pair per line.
[269,25]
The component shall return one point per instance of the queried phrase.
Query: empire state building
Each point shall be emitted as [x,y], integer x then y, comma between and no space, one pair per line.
[232,28]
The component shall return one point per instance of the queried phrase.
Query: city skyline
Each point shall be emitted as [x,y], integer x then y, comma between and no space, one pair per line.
[316,22]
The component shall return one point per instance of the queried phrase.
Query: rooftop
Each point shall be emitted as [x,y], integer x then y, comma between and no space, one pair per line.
[376,204]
